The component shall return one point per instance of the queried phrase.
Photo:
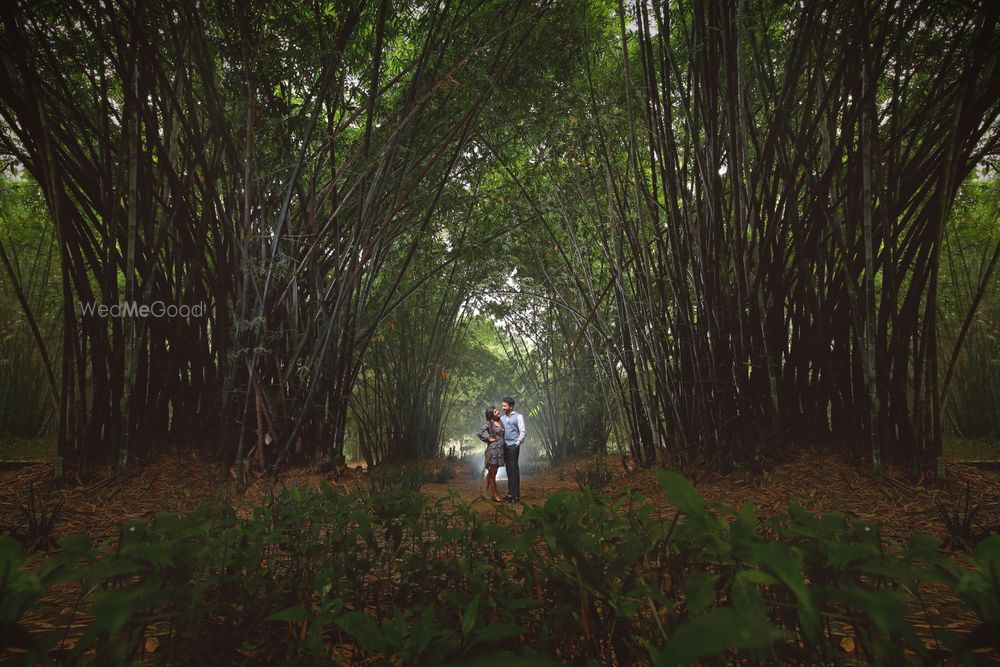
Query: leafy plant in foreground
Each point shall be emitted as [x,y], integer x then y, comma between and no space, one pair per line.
[391,576]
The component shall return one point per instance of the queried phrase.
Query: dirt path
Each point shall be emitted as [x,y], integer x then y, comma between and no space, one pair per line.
[535,486]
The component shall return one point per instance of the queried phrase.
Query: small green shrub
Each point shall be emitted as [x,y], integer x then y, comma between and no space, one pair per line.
[410,478]
[38,519]
[960,516]
[595,475]
[442,475]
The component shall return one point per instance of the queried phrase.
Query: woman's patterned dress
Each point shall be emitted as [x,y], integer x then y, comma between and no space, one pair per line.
[494,450]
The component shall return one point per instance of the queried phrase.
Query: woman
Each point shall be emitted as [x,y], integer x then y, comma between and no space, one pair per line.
[492,434]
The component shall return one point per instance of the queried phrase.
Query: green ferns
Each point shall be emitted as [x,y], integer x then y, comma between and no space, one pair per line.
[392,576]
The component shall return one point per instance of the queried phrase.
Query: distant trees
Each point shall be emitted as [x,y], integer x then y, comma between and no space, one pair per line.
[403,392]
[29,344]
[970,311]
[569,412]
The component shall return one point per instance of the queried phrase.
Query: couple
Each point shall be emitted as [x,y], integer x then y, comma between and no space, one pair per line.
[503,437]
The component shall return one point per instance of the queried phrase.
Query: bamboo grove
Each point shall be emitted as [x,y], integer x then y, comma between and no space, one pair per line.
[280,164]
[768,196]
[727,218]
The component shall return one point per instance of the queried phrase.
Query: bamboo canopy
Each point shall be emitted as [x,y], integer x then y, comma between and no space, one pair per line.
[732,215]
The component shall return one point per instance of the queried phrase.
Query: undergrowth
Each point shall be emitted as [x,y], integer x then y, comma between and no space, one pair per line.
[391,576]
[39,517]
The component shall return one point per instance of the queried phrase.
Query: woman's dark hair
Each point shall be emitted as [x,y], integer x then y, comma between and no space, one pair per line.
[489,414]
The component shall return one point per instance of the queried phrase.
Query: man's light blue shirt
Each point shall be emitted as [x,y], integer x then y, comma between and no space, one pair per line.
[513,429]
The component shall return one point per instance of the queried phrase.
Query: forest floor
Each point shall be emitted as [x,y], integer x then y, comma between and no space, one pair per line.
[822,482]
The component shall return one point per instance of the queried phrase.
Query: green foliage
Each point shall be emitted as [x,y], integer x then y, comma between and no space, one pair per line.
[969,268]
[558,373]
[28,243]
[482,376]
[691,226]
[714,634]
[21,588]
[394,577]
[303,170]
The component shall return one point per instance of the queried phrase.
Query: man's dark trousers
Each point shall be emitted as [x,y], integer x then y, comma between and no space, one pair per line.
[510,455]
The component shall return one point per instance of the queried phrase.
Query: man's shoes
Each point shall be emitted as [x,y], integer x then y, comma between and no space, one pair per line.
[507,498]
[511,499]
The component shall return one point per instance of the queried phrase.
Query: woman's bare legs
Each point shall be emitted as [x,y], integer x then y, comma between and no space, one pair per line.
[491,482]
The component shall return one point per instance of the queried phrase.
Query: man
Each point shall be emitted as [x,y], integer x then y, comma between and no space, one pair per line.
[513,436]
